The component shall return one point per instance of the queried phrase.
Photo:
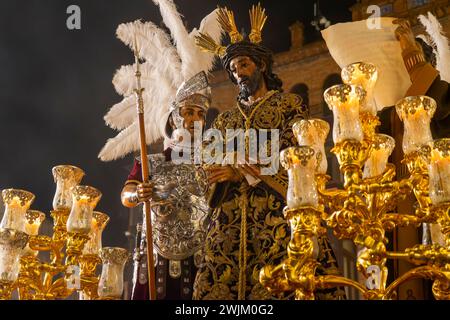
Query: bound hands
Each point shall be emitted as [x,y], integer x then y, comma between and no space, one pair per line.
[218,173]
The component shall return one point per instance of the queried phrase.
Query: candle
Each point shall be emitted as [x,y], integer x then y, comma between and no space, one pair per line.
[16,203]
[84,200]
[365,75]
[34,219]
[12,243]
[313,133]
[111,279]
[300,163]
[94,244]
[66,177]
[416,113]
[439,171]
[382,147]
[32,229]
[345,100]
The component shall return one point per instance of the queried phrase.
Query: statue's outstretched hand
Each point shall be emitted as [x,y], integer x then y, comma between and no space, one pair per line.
[405,36]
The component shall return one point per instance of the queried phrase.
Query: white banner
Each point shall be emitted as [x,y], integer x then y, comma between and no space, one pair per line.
[360,41]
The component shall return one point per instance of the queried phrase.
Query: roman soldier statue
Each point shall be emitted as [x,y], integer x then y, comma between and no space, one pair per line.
[176,97]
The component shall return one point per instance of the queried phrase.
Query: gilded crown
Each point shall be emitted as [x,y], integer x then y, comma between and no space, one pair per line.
[225,17]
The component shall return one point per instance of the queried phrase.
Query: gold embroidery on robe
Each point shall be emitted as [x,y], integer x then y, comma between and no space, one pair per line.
[266,229]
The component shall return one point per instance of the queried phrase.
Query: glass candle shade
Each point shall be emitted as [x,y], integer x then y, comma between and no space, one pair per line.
[439,171]
[365,75]
[300,163]
[313,133]
[34,219]
[12,244]
[344,101]
[16,203]
[382,147]
[84,200]
[111,278]
[66,177]
[94,244]
[416,113]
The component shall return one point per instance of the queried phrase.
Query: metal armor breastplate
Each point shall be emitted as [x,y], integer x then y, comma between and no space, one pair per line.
[179,223]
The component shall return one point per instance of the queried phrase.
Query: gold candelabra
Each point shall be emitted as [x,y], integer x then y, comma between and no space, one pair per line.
[366,206]
[75,247]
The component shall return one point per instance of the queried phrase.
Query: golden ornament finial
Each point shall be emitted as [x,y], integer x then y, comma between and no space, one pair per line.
[207,44]
[226,19]
[258,18]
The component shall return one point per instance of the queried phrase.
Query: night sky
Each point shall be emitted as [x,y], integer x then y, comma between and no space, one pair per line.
[55,86]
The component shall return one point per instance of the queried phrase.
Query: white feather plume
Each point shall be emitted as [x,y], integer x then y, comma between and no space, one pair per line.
[122,114]
[119,116]
[164,70]
[187,50]
[161,60]
[440,44]
[154,46]
[124,79]
[125,142]
[208,26]
[128,139]
[156,91]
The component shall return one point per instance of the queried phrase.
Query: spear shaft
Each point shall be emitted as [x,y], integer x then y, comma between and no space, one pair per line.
[145,178]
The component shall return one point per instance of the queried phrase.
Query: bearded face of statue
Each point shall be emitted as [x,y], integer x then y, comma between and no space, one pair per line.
[249,77]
